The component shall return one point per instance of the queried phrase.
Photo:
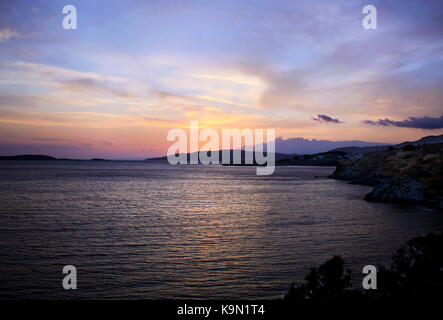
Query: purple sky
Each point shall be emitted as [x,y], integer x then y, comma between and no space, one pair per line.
[135,69]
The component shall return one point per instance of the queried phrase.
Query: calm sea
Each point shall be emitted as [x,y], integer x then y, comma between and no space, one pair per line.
[156,231]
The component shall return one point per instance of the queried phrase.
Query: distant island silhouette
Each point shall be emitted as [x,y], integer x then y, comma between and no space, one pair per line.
[40,157]
[243,156]
[330,158]
[28,157]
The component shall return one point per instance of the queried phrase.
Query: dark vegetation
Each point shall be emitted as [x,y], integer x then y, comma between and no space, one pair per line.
[416,272]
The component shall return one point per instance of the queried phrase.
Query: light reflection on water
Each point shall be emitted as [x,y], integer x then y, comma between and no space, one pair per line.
[155,231]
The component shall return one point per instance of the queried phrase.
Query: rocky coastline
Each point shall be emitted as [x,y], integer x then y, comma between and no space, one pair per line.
[411,174]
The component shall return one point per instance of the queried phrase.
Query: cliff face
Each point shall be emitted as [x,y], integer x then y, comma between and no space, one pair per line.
[411,175]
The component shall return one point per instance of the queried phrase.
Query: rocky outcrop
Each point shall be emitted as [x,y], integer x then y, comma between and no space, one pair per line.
[408,175]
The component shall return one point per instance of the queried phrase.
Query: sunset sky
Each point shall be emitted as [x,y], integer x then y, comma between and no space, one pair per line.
[135,69]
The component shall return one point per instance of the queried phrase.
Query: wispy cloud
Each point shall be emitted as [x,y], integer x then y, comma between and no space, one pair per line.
[169,95]
[326,119]
[90,84]
[6,34]
[428,123]
[51,139]
[39,72]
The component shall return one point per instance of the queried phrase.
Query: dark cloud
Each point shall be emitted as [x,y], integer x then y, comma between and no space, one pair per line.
[326,119]
[428,123]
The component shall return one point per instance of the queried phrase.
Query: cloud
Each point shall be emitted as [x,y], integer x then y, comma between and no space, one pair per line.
[90,84]
[14,100]
[205,98]
[326,119]
[51,139]
[428,123]
[6,34]
[46,71]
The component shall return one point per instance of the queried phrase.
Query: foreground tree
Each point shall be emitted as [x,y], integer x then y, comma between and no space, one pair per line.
[416,271]
[330,280]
